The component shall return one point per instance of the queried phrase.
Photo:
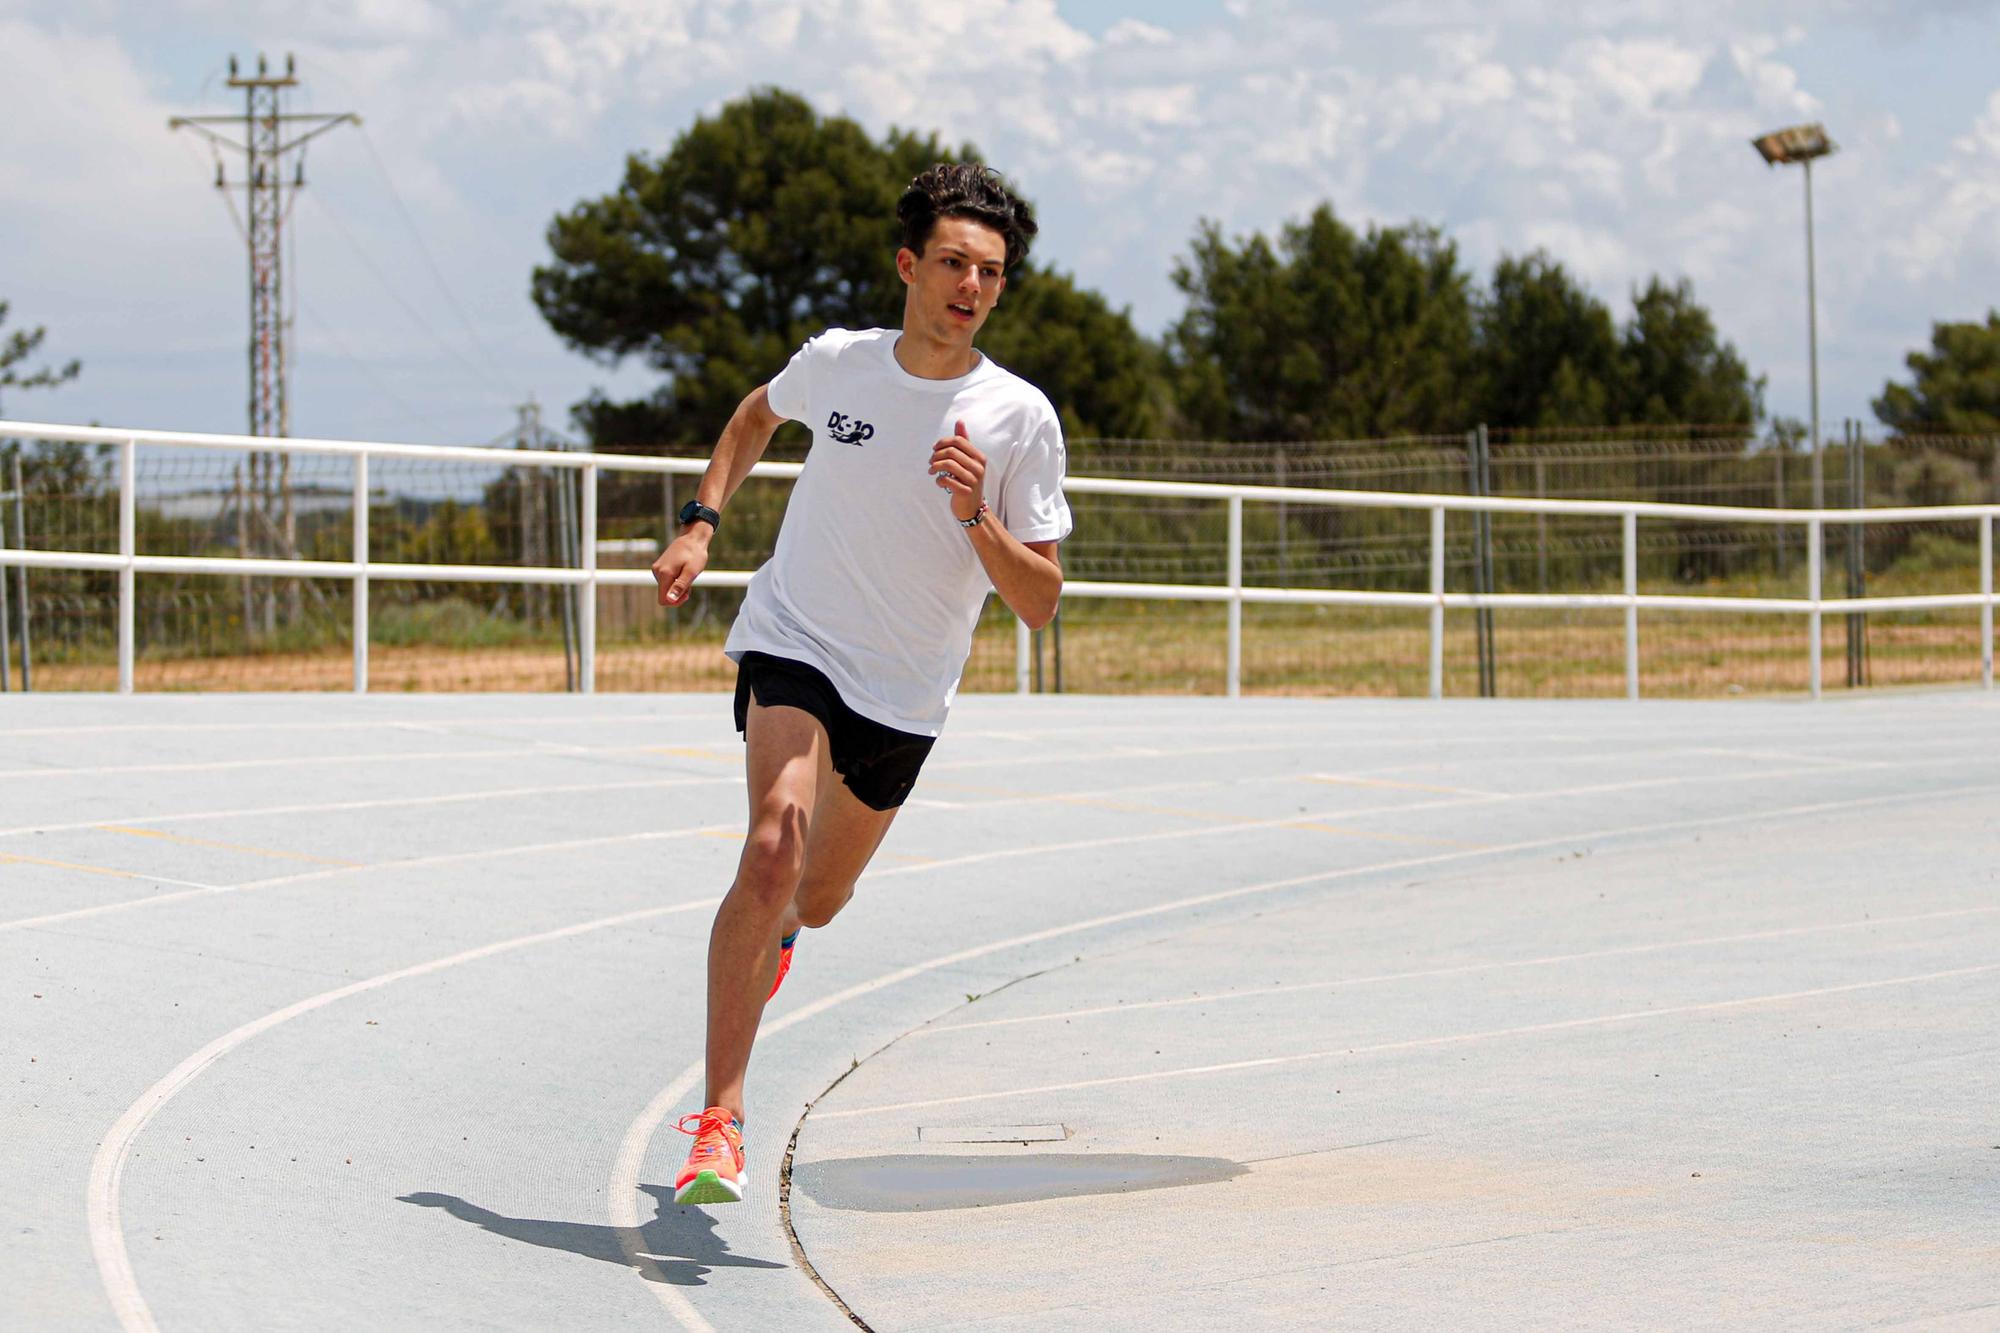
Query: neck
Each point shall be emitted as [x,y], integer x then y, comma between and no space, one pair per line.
[932,358]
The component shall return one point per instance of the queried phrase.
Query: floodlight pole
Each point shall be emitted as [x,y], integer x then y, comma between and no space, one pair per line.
[1812,347]
[1801,144]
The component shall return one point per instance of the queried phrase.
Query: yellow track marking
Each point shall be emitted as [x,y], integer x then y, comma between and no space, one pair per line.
[693,752]
[14,858]
[185,841]
[1334,780]
[1214,817]
[1385,837]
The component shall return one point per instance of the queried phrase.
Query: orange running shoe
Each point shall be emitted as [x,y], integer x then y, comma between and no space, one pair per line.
[714,1170]
[784,962]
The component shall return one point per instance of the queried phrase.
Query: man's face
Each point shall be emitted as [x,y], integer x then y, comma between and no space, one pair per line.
[955,283]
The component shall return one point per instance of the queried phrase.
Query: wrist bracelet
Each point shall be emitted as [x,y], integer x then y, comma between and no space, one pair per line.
[978,517]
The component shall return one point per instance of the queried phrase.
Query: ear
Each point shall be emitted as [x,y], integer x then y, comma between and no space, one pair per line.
[906,264]
[997,291]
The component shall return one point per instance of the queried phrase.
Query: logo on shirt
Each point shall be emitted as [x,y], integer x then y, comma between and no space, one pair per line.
[845,430]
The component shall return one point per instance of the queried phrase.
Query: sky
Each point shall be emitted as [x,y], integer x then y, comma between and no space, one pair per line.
[1617,141]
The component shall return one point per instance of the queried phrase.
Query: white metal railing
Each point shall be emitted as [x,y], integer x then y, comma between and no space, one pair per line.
[361,571]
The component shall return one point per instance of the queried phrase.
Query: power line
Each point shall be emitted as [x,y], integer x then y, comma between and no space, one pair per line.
[346,353]
[430,260]
[478,372]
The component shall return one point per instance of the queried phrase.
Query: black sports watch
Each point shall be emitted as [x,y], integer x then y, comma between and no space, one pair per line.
[694,511]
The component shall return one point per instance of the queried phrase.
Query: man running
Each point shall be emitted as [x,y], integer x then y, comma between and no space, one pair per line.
[852,637]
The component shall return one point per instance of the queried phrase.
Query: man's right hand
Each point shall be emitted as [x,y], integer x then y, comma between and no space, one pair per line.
[681,563]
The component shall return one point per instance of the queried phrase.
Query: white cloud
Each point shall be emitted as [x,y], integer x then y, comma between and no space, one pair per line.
[1640,73]
[1136,32]
[1953,211]
[1615,137]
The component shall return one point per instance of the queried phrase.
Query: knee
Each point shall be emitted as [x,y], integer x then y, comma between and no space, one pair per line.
[819,903]
[772,856]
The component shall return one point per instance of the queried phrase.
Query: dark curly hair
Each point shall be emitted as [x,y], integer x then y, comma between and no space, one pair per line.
[965,190]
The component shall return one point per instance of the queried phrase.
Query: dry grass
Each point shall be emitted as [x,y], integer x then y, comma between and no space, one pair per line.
[1180,648]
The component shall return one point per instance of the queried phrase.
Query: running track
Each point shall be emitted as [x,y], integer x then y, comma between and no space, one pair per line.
[327,1012]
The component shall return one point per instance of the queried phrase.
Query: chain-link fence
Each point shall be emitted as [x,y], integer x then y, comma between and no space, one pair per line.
[216,631]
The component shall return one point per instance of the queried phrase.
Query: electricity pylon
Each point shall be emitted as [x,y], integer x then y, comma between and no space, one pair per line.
[267,153]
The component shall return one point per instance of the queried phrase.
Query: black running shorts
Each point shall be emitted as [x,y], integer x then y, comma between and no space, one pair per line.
[878,763]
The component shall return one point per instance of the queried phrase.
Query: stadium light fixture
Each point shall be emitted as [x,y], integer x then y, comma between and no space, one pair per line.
[1801,144]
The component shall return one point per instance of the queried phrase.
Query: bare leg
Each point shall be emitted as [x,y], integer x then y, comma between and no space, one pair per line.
[845,835]
[804,827]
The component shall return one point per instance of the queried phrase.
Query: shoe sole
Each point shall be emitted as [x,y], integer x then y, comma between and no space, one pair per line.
[708,1187]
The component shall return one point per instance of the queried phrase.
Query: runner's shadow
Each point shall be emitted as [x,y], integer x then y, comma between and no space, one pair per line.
[680,1242]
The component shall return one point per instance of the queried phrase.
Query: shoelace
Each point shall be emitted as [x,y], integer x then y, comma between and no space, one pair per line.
[706,1125]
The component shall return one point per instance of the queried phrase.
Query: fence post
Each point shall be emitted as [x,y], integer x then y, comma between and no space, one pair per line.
[587,626]
[1437,601]
[6,621]
[1986,607]
[360,630]
[1857,569]
[1814,559]
[128,550]
[1237,595]
[1022,637]
[21,577]
[1631,526]
[1481,479]
[1541,528]
[1284,579]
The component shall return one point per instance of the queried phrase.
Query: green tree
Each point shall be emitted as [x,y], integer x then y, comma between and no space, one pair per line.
[56,468]
[764,224]
[1101,374]
[1548,350]
[16,348]
[1676,370]
[1955,388]
[1327,333]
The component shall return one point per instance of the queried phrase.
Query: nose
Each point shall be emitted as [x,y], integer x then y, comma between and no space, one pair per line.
[970,281]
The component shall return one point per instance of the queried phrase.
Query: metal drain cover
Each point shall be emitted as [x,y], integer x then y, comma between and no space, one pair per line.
[991,1133]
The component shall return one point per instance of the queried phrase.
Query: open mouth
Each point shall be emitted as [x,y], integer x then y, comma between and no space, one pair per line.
[960,309]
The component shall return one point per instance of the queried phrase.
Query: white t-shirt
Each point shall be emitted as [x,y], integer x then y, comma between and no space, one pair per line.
[873,581]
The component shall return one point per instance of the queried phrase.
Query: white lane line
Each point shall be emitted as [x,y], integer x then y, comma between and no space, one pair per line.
[1462,1038]
[425,724]
[1001,801]
[1350,780]
[1459,970]
[1307,817]
[563,750]
[559,749]
[555,789]
[543,750]
[1781,756]
[107,1167]
[1199,831]
[11,858]
[711,830]
[733,829]
[393,802]
[623,1187]
[381,867]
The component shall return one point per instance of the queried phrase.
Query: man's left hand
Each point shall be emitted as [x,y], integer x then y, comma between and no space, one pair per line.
[960,468]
